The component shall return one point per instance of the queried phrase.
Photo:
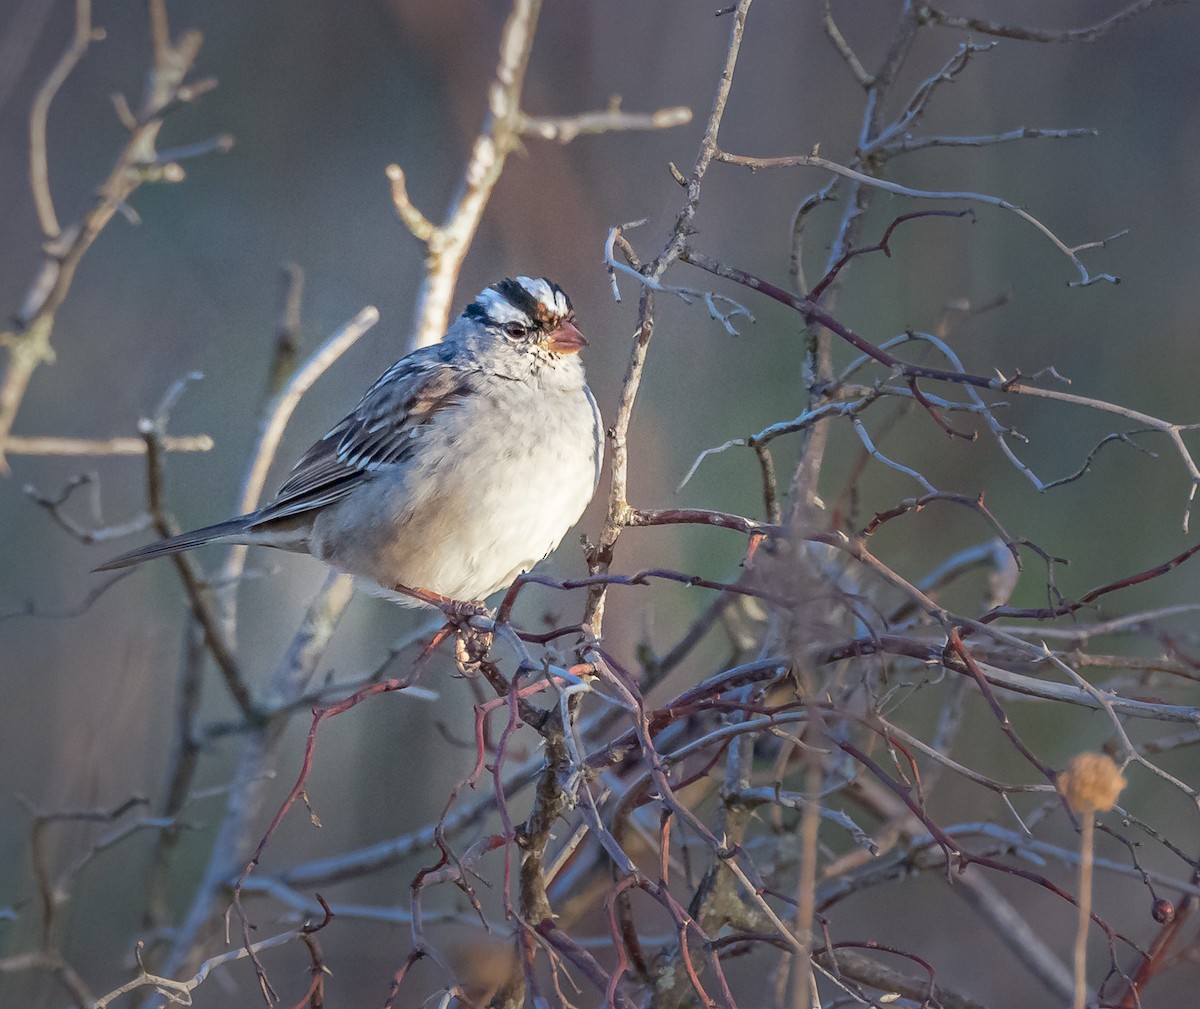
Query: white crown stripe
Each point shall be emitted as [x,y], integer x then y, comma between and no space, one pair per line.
[500,310]
[542,290]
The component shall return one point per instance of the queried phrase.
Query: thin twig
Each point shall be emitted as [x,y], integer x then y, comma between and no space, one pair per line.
[39,173]
[1086,278]
[51,445]
[564,129]
[1089,33]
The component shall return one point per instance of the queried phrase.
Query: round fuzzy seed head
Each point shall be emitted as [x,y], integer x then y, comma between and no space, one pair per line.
[1091,783]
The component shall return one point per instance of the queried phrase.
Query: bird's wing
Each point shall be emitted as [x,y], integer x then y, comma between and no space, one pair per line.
[381,431]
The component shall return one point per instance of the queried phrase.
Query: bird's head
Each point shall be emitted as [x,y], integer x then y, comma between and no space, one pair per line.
[531,314]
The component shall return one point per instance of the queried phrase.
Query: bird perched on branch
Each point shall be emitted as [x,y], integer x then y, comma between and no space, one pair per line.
[462,467]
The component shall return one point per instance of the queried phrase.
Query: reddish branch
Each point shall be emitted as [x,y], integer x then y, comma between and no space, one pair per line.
[815,315]
[319,716]
[883,245]
[916,504]
[1166,949]
[585,963]
[1072,606]
[1090,33]
[955,645]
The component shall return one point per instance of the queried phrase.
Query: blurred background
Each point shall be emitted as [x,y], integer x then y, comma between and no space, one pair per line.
[320,98]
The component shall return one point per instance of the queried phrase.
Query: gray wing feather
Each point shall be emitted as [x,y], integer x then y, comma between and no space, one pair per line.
[381,431]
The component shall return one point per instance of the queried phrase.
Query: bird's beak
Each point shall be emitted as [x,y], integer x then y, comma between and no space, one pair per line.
[566,339]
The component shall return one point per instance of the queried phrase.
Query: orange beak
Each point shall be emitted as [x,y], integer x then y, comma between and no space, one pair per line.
[566,339]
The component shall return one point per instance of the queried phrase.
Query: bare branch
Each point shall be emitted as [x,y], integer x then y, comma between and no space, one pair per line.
[505,126]
[564,129]
[181,991]
[834,34]
[101,534]
[417,223]
[915,109]
[39,172]
[53,445]
[1086,34]
[276,419]
[136,164]
[1086,278]
[906,143]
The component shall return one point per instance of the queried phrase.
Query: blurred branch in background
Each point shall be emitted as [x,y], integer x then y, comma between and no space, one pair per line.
[139,162]
[39,169]
[504,127]
[46,445]
[264,721]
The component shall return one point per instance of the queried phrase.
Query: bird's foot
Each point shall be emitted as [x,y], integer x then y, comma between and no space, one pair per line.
[460,613]
[471,644]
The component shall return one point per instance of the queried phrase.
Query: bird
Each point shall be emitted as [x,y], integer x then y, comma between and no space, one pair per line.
[461,468]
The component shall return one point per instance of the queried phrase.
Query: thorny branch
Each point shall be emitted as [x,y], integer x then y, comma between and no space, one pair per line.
[971,383]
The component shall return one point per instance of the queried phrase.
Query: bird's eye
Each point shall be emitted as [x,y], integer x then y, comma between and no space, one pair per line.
[515,329]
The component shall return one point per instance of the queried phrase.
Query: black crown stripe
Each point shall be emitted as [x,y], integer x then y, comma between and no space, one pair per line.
[522,300]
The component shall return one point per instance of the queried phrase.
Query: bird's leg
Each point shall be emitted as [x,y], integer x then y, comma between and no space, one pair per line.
[456,610]
[426,596]
[471,645]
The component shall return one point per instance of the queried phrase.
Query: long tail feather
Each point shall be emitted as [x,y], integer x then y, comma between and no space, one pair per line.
[177,544]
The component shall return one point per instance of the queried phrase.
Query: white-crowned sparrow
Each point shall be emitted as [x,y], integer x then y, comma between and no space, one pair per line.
[462,467]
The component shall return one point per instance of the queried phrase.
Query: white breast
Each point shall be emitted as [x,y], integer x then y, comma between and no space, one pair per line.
[493,490]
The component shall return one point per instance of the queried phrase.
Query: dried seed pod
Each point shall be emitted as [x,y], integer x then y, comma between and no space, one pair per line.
[1091,783]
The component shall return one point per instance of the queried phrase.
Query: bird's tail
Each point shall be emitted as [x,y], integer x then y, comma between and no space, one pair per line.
[226,531]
